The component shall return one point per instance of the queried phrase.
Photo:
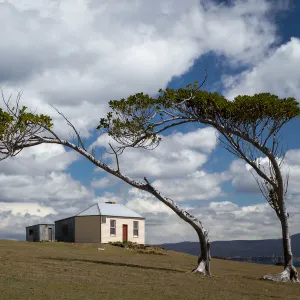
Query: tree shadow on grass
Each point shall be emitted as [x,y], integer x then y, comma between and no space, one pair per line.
[102,262]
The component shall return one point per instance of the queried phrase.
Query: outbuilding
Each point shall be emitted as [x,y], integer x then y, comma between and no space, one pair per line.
[102,223]
[40,232]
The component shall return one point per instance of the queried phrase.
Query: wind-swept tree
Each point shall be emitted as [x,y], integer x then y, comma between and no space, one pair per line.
[249,127]
[20,129]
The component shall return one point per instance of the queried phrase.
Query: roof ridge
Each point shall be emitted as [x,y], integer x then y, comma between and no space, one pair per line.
[98,208]
[86,209]
[101,208]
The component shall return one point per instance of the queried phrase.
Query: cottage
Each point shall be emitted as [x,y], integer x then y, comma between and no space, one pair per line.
[102,223]
[40,232]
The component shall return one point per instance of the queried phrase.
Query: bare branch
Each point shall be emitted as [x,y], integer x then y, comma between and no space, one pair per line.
[116,155]
[72,126]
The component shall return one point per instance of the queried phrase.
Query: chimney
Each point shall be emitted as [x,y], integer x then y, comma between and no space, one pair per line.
[110,202]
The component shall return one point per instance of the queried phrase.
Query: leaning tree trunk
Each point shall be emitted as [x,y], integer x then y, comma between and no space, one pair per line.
[203,265]
[289,273]
[204,257]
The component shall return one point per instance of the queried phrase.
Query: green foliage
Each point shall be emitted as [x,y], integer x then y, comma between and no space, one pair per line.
[142,117]
[5,121]
[12,123]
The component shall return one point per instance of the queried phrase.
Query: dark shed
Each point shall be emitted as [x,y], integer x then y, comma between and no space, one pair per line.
[65,230]
[40,232]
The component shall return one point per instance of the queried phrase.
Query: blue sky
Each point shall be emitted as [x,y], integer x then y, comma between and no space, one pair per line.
[90,57]
[220,160]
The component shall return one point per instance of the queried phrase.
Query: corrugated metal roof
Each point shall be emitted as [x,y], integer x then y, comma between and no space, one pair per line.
[106,209]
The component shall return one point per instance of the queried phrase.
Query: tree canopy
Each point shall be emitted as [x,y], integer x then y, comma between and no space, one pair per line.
[138,120]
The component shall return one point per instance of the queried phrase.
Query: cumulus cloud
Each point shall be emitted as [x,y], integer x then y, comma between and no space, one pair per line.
[145,203]
[201,139]
[223,221]
[278,74]
[37,175]
[178,154]
[34,187]
[103,182]
[22,209]
[39,160]
[243,181]
[77,55]
[94,52]
[55,189]
[196,186]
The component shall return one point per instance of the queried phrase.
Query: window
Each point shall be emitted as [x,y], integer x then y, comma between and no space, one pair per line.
[30,231]
[112,227]
[103,219]
[64,229]
[135,228]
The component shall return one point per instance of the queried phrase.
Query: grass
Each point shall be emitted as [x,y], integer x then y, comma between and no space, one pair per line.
[80,271]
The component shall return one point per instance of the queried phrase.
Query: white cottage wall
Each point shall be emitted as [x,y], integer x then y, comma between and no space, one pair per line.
[105,230]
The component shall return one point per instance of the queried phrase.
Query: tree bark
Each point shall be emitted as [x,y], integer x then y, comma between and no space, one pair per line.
[289,273]
[204,257]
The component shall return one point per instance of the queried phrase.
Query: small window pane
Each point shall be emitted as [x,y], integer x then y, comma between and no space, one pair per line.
[112,227]
[103,219]
[135,228]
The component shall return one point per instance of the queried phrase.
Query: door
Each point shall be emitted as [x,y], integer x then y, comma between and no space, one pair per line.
[125,233]
[50,234]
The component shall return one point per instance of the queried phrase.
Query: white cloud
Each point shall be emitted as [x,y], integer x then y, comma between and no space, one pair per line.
[243,181]
[35,188]
[103,182]
[21,209]
[108,197]
[143,202]
[278,74]
[39,160]
[223,221]
[94,52]
[201,139]
[37,175]
[57,189]
[178,154]
[196,186]
[77,55]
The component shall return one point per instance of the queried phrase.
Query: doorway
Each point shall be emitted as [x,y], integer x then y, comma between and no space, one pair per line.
[50,234]
[125,233]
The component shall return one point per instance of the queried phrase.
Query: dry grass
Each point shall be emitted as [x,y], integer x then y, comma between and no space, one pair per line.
[79,271]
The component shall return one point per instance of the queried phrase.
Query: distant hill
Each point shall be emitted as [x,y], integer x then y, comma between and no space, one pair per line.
[243,248]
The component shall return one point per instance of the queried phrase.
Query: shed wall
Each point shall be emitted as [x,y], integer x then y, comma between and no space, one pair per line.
[65,230]
[105,230]
[44,232]
[40,232]
[35,237]
[87,229]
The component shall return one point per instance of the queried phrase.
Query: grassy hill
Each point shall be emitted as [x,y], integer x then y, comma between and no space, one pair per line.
[79,271]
